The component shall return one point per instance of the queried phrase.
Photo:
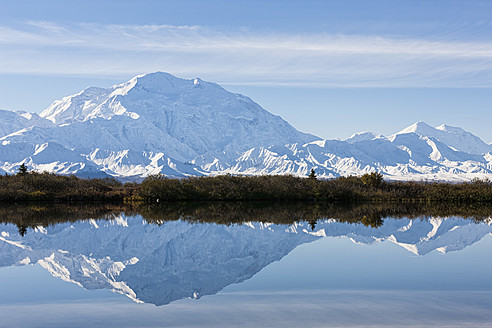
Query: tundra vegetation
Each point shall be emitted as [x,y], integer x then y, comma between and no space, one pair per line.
[371,187]
[368,187]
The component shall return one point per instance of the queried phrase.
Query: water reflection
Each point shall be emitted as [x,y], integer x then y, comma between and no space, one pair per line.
[163,256]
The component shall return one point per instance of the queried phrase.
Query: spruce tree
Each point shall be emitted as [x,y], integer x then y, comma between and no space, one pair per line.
[22,169]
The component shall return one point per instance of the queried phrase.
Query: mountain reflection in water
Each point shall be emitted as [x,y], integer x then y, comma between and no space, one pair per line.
[159,261]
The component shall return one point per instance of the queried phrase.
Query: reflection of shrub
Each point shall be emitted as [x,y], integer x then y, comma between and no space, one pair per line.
[369,214]
[38,195]
[372,221]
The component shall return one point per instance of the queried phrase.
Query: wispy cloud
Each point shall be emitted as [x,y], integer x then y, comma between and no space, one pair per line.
[243,57]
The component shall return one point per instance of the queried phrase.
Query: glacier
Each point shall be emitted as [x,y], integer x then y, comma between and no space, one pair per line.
[160,124]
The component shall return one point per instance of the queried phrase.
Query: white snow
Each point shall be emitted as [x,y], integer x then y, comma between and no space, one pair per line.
[158,123]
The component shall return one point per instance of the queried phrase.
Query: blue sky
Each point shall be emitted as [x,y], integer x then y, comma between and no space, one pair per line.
[331,68]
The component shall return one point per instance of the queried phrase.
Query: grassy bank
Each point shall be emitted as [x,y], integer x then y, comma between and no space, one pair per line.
[159,189]
[34,186]
[369,187]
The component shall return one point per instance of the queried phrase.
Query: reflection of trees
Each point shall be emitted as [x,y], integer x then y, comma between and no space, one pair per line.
[44,214]
[289,212]
[369,214]
[372,221]
[312,224]
[22,230]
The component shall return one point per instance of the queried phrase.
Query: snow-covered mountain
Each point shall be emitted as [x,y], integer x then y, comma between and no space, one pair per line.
[418,152]
[13,121]
[158,123]
[159,264]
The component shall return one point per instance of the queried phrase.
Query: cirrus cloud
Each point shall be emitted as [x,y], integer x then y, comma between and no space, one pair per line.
[243,56]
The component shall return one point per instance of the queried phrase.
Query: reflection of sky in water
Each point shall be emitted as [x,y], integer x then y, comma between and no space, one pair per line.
[328,282]
[338,263]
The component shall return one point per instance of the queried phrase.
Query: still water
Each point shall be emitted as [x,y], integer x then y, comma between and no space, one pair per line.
[128,272]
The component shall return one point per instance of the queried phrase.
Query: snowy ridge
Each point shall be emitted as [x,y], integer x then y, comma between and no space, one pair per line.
[13,121]
[161,263]
[158,123]
[454,137]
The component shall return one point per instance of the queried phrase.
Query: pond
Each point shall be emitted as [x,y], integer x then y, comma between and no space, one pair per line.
[125,270]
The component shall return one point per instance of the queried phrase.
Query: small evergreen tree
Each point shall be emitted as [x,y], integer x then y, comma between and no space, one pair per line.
[22,169]
[374,179]
[312,174]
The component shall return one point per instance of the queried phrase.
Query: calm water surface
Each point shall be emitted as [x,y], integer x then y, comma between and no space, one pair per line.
[127,272]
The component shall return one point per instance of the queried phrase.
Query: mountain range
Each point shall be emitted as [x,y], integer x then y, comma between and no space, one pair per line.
[162,263]
[158,123]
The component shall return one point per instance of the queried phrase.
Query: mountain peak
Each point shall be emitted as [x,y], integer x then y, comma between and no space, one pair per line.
[165,83]
[157,78]
[419,127]
[156,87]
[362,136]
[156,82]
[183,118]
[453,129]
[455,137]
